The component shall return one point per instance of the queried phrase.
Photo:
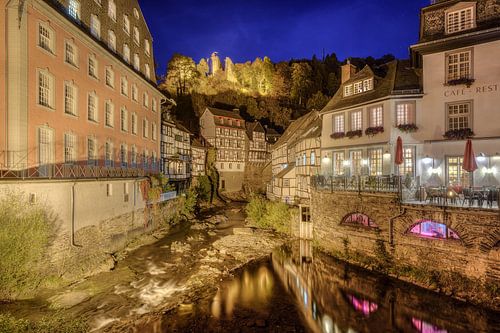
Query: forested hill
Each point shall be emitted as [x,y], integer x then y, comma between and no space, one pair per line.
[273,93]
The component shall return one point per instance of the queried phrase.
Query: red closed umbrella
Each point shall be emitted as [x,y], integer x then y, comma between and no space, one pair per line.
[469,164]
[399,159]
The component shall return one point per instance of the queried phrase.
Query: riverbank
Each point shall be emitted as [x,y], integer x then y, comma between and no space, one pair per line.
[170,272]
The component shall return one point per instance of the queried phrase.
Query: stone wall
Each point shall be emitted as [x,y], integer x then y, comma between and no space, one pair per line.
[257,176]
[445,264]
[93,220]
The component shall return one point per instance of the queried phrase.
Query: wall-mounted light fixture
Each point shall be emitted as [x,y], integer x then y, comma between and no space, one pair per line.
[387,154]
[481,157]
[427,159]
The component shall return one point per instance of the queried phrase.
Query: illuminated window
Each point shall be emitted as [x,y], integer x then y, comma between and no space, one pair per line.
[359,219]
[460,20]
[91,151]
[74,9]
[425,327]
[432,229]
[126,24]
[109,117]
[408,166]
[95,26]
[108,154]
[339,124]
[338,163]
[126,53]
[70,148]
[46,37]
[313,158]
[356,157]
[375,157]
[368,85]
[459,115]
[112,40]
[70,98]
[348,90]
[358,87]
[356,120]
[110,77]
[459,65]
[405,113]
[92,107]
[376,116]
[455,173]
[364,306]
[124,120]
[112,10]
[71,54]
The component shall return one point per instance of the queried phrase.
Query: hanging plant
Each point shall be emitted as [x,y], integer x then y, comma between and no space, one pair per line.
[338,135]
[371,131]
[407,128]
[353,134]
[466,81]
[459,134]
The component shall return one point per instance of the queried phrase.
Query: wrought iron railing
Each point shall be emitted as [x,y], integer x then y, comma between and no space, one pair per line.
[358,183]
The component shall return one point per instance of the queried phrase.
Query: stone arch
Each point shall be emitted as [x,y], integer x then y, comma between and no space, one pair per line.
[432,229]
[359,219]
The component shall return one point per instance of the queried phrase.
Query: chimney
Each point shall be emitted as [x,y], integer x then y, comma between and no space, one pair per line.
[348,70]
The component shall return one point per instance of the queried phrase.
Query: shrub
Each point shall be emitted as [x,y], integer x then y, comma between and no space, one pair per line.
[269,215]
[24,236]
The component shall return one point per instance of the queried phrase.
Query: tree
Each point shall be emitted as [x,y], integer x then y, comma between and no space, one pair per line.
[182,74]
[317,102]
[301,82]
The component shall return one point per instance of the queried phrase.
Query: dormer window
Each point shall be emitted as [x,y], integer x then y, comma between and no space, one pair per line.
[460,19]
[358,87]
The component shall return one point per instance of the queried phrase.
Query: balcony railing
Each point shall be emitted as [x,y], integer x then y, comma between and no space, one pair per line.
[357,183]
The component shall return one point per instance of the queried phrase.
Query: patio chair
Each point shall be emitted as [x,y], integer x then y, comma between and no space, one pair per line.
[467,194]
[492,197]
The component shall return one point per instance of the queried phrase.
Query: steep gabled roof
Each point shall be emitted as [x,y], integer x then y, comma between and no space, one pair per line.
[254,127]
[298,128]
[391,78]
[224,113]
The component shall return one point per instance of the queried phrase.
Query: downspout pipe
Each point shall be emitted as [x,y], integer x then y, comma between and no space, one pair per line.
[73,213]
[402,212]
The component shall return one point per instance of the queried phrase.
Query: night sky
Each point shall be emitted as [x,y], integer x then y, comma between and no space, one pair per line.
[281,30]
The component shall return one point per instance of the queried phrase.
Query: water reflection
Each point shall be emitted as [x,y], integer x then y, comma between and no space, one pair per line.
[334,297]
[252,290]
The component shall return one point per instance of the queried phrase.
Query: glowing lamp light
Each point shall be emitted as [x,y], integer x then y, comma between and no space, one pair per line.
[387,154]
[364,162]
[436,171]
[481,158]
[326,159]
[427,160]
[346,163]
[491,171]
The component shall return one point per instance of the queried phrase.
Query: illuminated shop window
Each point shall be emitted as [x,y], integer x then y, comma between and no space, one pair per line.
[432,229]
[424,327]
[363,306]
[359,219]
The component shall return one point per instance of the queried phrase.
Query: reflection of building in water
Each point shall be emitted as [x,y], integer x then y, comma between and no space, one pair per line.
[336,298]
[252,290]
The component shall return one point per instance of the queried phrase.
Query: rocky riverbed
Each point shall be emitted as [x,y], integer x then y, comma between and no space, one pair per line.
[149,280]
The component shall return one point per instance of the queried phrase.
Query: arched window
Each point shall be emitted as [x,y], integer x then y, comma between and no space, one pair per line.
[359,219]
[364,306]
[433,229]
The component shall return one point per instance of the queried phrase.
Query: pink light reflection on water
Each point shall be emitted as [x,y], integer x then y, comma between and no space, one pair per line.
[424,327]
[364,306]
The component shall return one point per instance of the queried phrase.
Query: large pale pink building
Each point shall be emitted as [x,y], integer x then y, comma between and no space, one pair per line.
[78,94]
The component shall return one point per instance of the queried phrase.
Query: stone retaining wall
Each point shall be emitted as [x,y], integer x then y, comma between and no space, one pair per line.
[390,246]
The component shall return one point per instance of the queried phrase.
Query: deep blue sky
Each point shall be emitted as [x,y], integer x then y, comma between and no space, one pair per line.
[281,29]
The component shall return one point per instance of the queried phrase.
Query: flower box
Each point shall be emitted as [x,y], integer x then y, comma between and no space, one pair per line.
[459,134]
[371,131]
[338,135]
[407,128]
[353,134]
[465,81]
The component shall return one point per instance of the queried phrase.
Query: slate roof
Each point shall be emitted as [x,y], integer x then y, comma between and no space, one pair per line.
[391,78]
[224,113]
[254,127]
[299,127]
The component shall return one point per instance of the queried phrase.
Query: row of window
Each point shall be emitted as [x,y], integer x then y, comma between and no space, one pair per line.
[46,151]
[230,143]
[460,20]
[358,87]
[230,155]
[46,92]
[230,166]
[301,160]
[228,121]
[354,162]
[47,41]
[405,114]
[229,132]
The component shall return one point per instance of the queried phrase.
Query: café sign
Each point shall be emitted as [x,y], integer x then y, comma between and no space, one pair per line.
[484,89]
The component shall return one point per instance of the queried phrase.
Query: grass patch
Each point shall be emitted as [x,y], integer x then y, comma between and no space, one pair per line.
[24,235]
[269,215]
[53,324]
